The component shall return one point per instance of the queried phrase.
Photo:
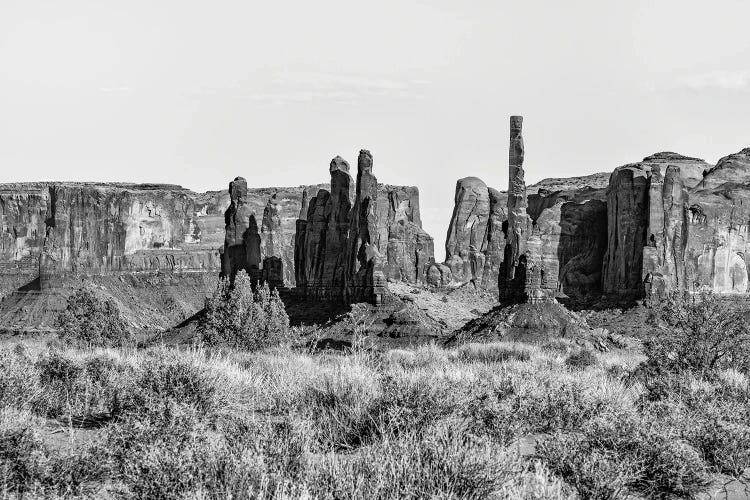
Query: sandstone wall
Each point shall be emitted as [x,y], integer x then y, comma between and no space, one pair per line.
[352,237]
[102,228]
[109,228]
[670,229]
[570,219]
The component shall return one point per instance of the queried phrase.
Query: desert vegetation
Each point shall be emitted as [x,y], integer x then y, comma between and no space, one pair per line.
[498,420]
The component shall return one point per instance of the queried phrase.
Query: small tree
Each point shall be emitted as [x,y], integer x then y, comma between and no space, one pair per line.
[91,321]
[698,333]
[238,317]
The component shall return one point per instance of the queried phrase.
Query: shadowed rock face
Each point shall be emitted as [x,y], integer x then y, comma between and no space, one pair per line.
[351,238]
[572,225]
[572,228]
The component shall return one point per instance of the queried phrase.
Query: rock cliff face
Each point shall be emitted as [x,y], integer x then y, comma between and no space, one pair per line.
[467,230]
[52,229]
[49,230]
[572,228]
[351,239]
[671,232]
[569,215]
[717,252]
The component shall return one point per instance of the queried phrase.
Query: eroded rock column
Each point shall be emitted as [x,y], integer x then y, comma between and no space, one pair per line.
[237,230]
[365,262]
[512,280]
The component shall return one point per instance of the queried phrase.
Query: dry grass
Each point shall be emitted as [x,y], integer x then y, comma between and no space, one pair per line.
[428,422]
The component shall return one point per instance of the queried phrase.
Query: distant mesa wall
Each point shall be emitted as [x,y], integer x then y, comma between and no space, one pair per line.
[353,237]
[50,230]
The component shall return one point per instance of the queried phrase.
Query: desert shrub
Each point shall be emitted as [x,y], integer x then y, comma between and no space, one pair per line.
[89,320]
[415,400]
[491,353]
[19,380]
[341,404]
[177,453]
[168,455]
[27,466]
[616,453]
[237,316]
[509,407]
[715,419]
[582,358]
[438,464]
[167,377]
[77,384]
[699,334]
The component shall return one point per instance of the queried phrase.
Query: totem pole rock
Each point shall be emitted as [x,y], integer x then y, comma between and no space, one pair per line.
[513,278]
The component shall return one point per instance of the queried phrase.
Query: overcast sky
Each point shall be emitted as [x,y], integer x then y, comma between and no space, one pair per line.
[197,92]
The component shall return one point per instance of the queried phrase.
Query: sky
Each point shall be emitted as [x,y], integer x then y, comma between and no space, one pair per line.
[196,92]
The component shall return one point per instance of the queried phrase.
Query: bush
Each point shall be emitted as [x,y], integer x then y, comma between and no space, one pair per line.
[19,381]
[491,353]
[581,359]
[698,334]
[90,321]
[614,454]
[28,466]
[77,385]
[167,377]
[437,464]
[236,316]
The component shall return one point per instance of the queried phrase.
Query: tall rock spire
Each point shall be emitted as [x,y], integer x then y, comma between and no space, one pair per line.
[512,278]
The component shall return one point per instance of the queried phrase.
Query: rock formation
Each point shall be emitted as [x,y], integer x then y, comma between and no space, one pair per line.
[407,248]
[52,231]
[350,238]
[513,273]
[572,227]
[365,263]
[668,231]
[467,230]
[59,229]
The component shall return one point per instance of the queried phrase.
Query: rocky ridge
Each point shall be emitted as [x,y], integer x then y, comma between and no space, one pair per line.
[668,222]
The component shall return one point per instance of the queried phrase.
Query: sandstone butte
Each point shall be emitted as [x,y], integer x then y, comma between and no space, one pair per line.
[160,248]
[668,222]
